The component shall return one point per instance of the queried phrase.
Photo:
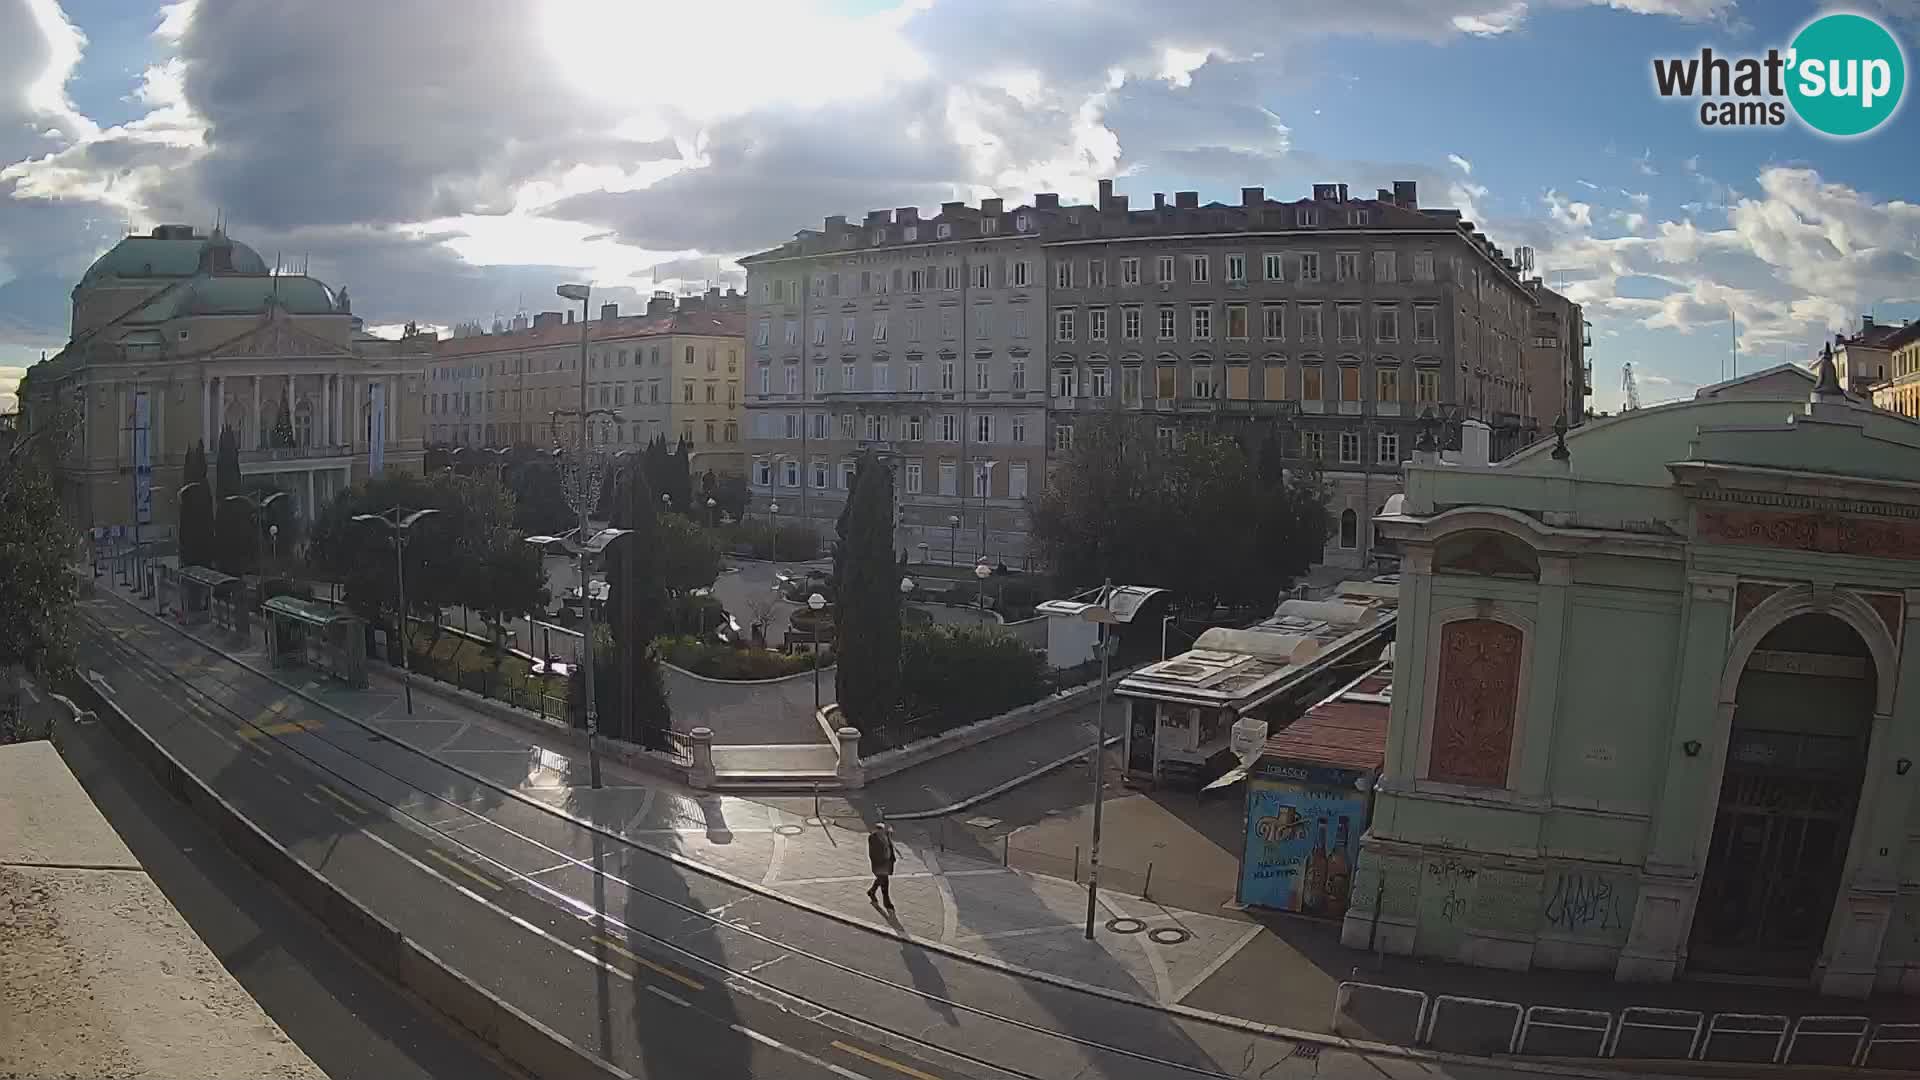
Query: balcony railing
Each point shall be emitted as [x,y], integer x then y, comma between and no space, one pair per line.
[293,453]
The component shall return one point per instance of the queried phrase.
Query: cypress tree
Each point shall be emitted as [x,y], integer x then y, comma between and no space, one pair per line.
[233,524]
[867,599]
[196,510]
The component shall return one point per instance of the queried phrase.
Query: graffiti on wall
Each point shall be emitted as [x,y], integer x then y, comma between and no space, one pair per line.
[1588,903]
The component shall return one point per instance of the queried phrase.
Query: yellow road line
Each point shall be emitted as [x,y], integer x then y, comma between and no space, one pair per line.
[285,728]
[342,799]
[904,1070]
[658,969]
[449,861]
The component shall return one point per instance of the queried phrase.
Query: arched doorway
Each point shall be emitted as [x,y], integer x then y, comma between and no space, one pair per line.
[1795,761]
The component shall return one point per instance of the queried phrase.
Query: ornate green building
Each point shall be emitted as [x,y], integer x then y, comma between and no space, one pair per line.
[1657,700]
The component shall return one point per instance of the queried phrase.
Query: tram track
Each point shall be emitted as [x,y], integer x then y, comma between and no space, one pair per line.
[614,931]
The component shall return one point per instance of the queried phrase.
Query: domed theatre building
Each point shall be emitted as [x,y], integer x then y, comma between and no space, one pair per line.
[179,334]
[1656,703]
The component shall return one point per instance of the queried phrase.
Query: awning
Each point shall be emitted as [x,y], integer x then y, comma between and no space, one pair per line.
[306,611]
[206,575]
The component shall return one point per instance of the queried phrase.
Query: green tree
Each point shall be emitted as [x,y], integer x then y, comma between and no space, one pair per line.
[1123,505]
[539,499]
[686,555]
[36,544]
[966,673]
[233,537]
[679,480]
[227,466]
[196,510]
[627,675]
[283,426]
[867,599]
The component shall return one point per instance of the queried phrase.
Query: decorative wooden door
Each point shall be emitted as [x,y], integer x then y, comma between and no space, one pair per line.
[1477,701]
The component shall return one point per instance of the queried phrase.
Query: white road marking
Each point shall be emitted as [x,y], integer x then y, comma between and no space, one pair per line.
[768,1040]
[659,993]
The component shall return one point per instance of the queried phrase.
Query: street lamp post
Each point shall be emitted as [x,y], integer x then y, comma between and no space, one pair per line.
[1102,614]
[816,603]
[582,294]
[953,542]
[399,525]
[255,504]
[712,510]
[773,540]
[981,571]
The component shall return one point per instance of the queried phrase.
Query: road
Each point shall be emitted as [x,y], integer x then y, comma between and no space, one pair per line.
[663,970]
[349,1020]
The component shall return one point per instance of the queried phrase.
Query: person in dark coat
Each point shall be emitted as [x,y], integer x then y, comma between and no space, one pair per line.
[880,854]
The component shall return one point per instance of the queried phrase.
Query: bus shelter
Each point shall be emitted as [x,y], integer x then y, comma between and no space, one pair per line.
[302,633]
[198,594]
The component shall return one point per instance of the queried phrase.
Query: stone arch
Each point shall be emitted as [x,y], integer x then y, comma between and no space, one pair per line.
[1843,604]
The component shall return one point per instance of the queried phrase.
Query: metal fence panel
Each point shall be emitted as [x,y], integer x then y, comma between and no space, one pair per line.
[1469,1025]
[1826,1040]
[1549,1031]
[1643,1032]
[1893,1046]
[1752,1037]
[1392,1014]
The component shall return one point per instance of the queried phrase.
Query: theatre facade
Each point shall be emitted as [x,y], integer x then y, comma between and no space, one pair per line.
[1656,701]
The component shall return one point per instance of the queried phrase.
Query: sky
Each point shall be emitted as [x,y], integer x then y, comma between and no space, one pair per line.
[451,160]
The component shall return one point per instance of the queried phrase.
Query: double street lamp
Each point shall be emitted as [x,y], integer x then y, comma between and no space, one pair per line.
[399,522]
[256,504]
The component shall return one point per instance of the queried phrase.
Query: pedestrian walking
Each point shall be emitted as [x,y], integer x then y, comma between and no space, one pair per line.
[880,854]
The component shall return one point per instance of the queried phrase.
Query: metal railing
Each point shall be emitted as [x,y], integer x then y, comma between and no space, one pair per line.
[533,693]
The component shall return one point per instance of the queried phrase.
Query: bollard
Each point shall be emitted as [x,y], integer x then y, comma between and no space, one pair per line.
[1076,862]
[852,775]
[1148,886]
[1003,849]
[700,751]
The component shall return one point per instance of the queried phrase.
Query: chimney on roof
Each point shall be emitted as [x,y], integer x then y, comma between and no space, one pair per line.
[1119,202]
[695,302]
[1252,196]
[907,215]
[1106,193]
[545,319]
[609,312]
[1383,195]
[948,209]
[1866,323]
[1046,200]
[569,316]
[1159,200]
[991,207]
[1407,193]
[836,223]
[1326,193]
[1186,200]
[660,303]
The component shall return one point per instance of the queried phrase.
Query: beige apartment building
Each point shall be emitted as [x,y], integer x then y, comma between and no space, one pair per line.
[1335,321]
[177,335]
[1900,390]
[1863,359]
[922,339]
[674,371]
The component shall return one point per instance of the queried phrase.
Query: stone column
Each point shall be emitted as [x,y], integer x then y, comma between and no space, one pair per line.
[1542,707]
[851,773]
[700,745]
[1670,880]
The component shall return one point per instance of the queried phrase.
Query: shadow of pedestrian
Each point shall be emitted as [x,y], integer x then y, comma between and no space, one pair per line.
[926,978]
[714,811]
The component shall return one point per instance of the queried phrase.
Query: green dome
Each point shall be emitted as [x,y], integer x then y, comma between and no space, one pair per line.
[172,252]
[239,294]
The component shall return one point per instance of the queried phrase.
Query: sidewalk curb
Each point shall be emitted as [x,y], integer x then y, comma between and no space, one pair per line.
[1236,1023]
[522,1039]
[998,789]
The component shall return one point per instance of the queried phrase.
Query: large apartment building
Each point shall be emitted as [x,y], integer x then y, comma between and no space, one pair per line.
[923,339]
[1900,390]
[1337,320]
[674,371]
[966,345]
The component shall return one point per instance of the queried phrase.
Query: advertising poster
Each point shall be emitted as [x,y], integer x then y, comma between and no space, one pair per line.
[142,460]
[377,431]
[1303,834]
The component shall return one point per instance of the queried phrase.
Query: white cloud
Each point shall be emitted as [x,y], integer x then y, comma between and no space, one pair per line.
[1644,164]
[1492,22]
[1461,163]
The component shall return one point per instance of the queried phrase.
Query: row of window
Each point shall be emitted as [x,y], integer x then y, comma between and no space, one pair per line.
[878,427]
[1313,444]
[1066,380]
[605,434]
[1196,268]
[913,477]
[1239,384]
[602,357]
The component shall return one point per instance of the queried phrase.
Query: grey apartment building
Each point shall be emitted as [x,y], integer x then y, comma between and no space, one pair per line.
[1336,320]
[923,339]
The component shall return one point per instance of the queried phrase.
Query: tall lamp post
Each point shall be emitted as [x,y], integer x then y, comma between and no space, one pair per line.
[713,505]
[588,490]
[399,524]
[816,603]
[1100,613]
[255,504]
[981,572]
[953,541]
[773,540]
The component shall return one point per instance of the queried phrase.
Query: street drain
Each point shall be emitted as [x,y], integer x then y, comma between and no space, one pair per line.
[1123,925]
[788,830]
[1169,935]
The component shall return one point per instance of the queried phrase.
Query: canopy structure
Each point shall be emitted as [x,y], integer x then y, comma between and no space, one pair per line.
[319,636]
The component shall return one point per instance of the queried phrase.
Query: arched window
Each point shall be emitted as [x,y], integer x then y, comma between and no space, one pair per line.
[303,423]
[1349,529]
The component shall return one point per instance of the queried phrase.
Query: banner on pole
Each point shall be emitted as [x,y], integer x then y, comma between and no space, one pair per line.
[377,433]
[142,460]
